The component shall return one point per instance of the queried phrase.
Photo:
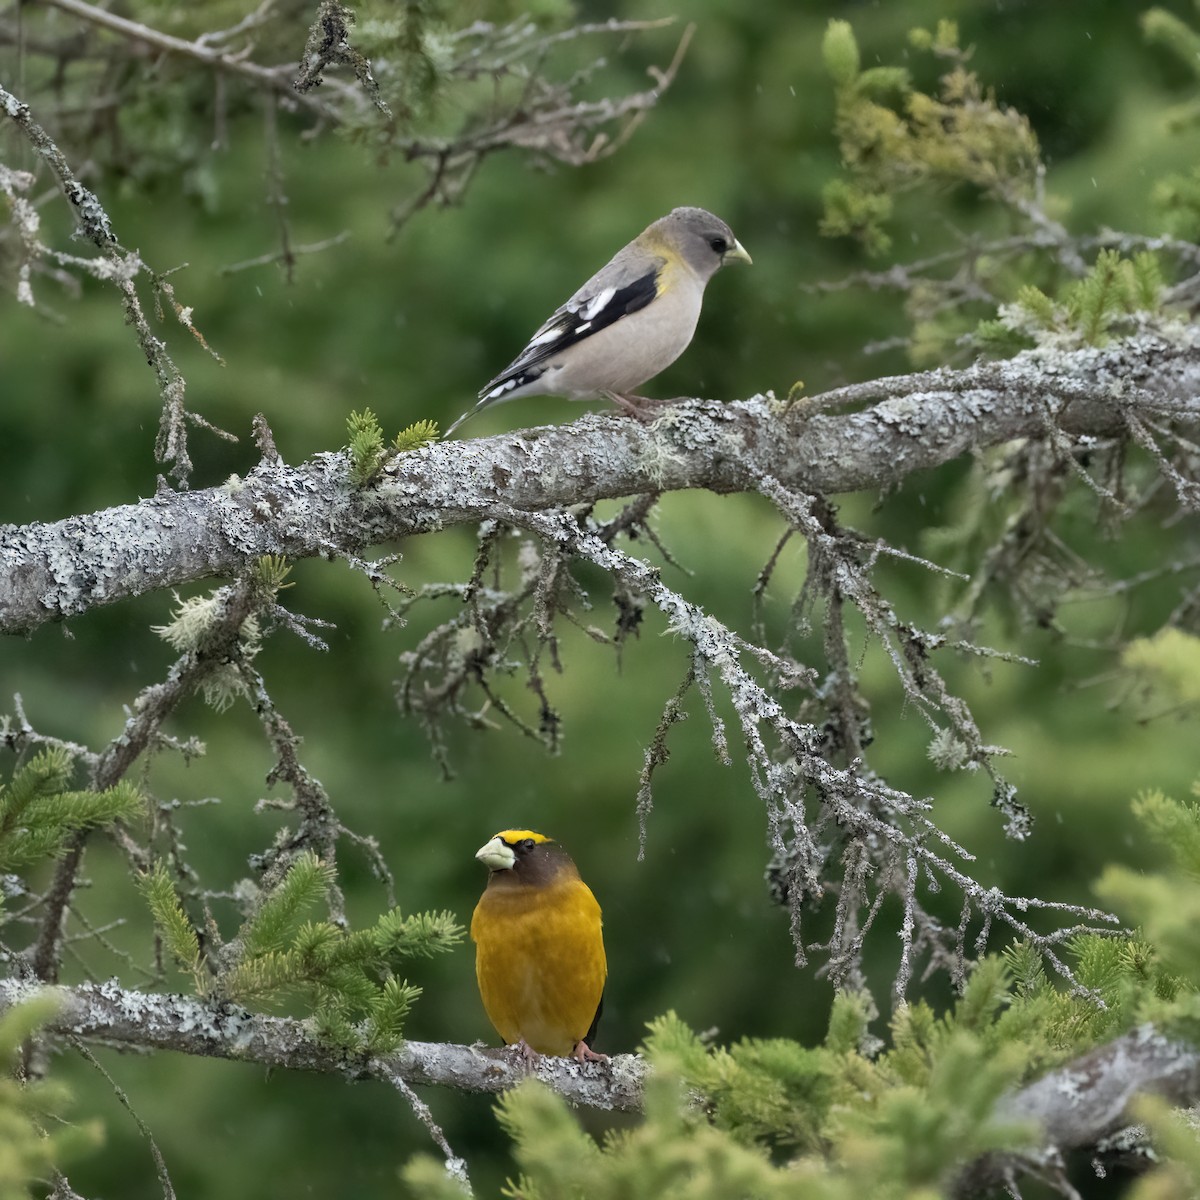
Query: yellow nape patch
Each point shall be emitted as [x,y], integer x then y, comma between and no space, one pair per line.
[667,273]
[510,837]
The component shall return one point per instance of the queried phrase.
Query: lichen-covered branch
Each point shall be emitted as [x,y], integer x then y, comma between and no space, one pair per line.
[1077,1105]
[882,826]
[208,51]
[397,79]
[528,110]
[52,571]
[147,1021]
[118,266]
[1089,1099]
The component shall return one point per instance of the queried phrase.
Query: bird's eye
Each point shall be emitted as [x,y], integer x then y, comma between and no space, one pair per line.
[527,844]
[719,244]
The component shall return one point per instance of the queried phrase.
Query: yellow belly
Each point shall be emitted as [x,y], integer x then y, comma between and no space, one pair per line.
[539,959]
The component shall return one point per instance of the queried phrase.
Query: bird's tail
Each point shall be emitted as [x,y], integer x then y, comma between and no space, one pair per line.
[465,417]
[500,388]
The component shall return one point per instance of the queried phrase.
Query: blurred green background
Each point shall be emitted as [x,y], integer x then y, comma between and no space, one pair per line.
[412,327]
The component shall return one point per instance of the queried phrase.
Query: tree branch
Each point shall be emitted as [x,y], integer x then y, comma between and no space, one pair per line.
[1089,1099]
[143,1020]
[275,79]
[56,570]
[1073,1107]
[154,705]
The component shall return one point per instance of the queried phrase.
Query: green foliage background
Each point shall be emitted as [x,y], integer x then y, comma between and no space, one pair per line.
[410,328]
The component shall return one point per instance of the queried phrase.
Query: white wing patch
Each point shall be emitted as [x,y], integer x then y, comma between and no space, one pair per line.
[551,334]
[577,320]
[497,392]
[597,304]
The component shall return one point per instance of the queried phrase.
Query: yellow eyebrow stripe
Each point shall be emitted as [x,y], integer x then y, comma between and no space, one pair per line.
[512,836]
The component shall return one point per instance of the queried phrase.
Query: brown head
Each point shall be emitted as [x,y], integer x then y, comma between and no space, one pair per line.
[523,858]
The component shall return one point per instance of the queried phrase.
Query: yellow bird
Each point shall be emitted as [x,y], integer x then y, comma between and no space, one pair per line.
[539,951]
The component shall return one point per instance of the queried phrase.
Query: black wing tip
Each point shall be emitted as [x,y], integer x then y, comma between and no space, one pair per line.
[498,389]
[589,1037]
[502,385]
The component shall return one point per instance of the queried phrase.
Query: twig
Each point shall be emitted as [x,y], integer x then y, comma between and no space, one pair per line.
[288,255]
[160,1165]
[275,79]
[121,269]
[456,1166]
[150,710]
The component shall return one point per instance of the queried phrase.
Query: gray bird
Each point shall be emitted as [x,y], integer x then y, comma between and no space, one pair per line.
[630,321]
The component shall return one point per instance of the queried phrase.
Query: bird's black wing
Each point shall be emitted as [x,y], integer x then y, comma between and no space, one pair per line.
[582,316]
[591,1033]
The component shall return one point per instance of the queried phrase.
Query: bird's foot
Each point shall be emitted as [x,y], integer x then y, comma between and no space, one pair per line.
[526,1054]
[583,1053]
[641,408]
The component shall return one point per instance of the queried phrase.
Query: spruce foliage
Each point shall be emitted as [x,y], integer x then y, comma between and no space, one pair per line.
[346,980]
[366,447]
[38,812]
[416,435]
[894,137]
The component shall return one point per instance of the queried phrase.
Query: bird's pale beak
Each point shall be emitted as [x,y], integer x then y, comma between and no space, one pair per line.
[737,253]
[496,856]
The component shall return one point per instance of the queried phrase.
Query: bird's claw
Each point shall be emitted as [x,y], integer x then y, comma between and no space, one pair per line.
[527,1056]
[583,1053]
[641,408]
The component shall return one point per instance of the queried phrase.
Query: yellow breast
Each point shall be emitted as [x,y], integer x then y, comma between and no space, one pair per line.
[539,959]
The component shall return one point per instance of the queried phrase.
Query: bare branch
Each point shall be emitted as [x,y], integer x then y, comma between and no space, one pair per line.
[151,709]
[160,1165]
[120,268]
[275,79]
[456,1165]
